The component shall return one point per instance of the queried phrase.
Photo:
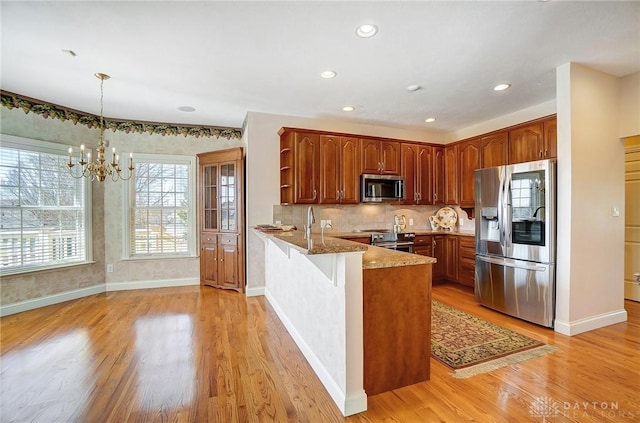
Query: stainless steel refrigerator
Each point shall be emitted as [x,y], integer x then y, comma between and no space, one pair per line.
[516,240]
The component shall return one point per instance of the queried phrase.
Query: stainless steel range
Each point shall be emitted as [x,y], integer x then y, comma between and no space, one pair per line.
[401,241]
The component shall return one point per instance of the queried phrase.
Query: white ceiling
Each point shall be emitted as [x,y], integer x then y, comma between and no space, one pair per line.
[228,58]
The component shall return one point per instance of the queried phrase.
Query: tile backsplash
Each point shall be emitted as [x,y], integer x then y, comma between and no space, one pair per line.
[346,218]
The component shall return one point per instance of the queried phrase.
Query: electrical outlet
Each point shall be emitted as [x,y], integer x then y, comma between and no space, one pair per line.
[411,222]
[328,222]
[323,223]
[109,268]
[278,222]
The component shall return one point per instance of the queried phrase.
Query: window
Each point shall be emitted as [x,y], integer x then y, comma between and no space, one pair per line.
[44,212]
[161,207]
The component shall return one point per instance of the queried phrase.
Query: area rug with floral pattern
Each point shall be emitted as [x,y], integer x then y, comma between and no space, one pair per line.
[470,345]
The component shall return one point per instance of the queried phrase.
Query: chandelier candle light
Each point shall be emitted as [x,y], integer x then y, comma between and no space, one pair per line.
[100,168]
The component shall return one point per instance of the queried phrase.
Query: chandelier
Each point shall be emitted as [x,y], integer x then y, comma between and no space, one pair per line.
[99,168]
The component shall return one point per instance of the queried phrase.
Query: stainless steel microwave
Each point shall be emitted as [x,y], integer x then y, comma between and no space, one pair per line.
[381,188]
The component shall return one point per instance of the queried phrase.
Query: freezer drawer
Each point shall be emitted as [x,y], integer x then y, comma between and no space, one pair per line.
[522,289]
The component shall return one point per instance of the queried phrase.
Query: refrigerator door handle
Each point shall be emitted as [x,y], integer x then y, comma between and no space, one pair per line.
[502,210]
[512,263]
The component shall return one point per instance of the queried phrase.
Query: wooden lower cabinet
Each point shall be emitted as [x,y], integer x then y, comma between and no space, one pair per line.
[423,245]
[466,261]
[455,254]
[451,258]
[396,327]
[220,265]
[439,254]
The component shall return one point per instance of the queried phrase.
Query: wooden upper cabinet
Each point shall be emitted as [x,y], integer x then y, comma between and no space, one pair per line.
[417,170]
[339,170]
[424,176]
[451,174]
[390,157]
[350,170]
[550,138]
[329,169]
[380,157]
[409,155]
[526,144]
[494,149]
[469,161]
[438,175]
[307,168]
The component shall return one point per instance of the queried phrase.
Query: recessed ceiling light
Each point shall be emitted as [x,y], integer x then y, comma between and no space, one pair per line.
[413,88]
[429,120]
[366,30]
[187,109]
[328,74]
[348,108]
[501,87]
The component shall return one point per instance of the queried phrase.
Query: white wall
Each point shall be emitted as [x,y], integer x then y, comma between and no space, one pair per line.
[629,111]
[519,116]
[590,183]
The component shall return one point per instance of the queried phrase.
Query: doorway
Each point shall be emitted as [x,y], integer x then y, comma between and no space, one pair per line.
[632,219]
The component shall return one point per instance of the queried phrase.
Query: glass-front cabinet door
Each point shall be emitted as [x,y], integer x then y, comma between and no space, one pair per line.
[210,198]
[228,220]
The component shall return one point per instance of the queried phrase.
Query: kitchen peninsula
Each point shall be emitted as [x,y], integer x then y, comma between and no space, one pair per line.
[360,314]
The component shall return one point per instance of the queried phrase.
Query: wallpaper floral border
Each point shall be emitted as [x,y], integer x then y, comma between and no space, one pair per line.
[47,110]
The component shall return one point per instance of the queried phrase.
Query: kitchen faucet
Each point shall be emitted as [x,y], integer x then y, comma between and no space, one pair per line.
[310,220]
[535,213]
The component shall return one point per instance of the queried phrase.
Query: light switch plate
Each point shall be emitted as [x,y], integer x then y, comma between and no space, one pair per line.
[615,211]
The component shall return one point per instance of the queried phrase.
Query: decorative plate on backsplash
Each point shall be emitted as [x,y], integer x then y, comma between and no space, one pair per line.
[447,217]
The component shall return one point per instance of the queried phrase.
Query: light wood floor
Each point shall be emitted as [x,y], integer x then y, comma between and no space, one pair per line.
[205,355]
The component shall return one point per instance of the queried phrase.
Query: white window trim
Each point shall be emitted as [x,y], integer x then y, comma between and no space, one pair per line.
[30,144]
[192,232]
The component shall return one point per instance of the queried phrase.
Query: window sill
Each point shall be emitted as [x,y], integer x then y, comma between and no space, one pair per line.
[147,258]
[24,272]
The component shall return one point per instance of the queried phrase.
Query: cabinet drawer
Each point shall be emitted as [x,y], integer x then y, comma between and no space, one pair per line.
[467,242]
[229,239]
[421,240]
[466,276]
[423,251]
[208,238]
[468,254]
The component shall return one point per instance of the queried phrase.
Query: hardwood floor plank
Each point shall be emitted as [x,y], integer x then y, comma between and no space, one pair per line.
[191,354]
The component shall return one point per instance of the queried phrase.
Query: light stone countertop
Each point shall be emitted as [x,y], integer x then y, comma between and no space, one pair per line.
[373,258]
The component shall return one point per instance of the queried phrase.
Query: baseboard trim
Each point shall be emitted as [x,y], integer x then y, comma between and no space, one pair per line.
[161,283]
[590,323]
[255,292]
[348,405]
[48,300]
